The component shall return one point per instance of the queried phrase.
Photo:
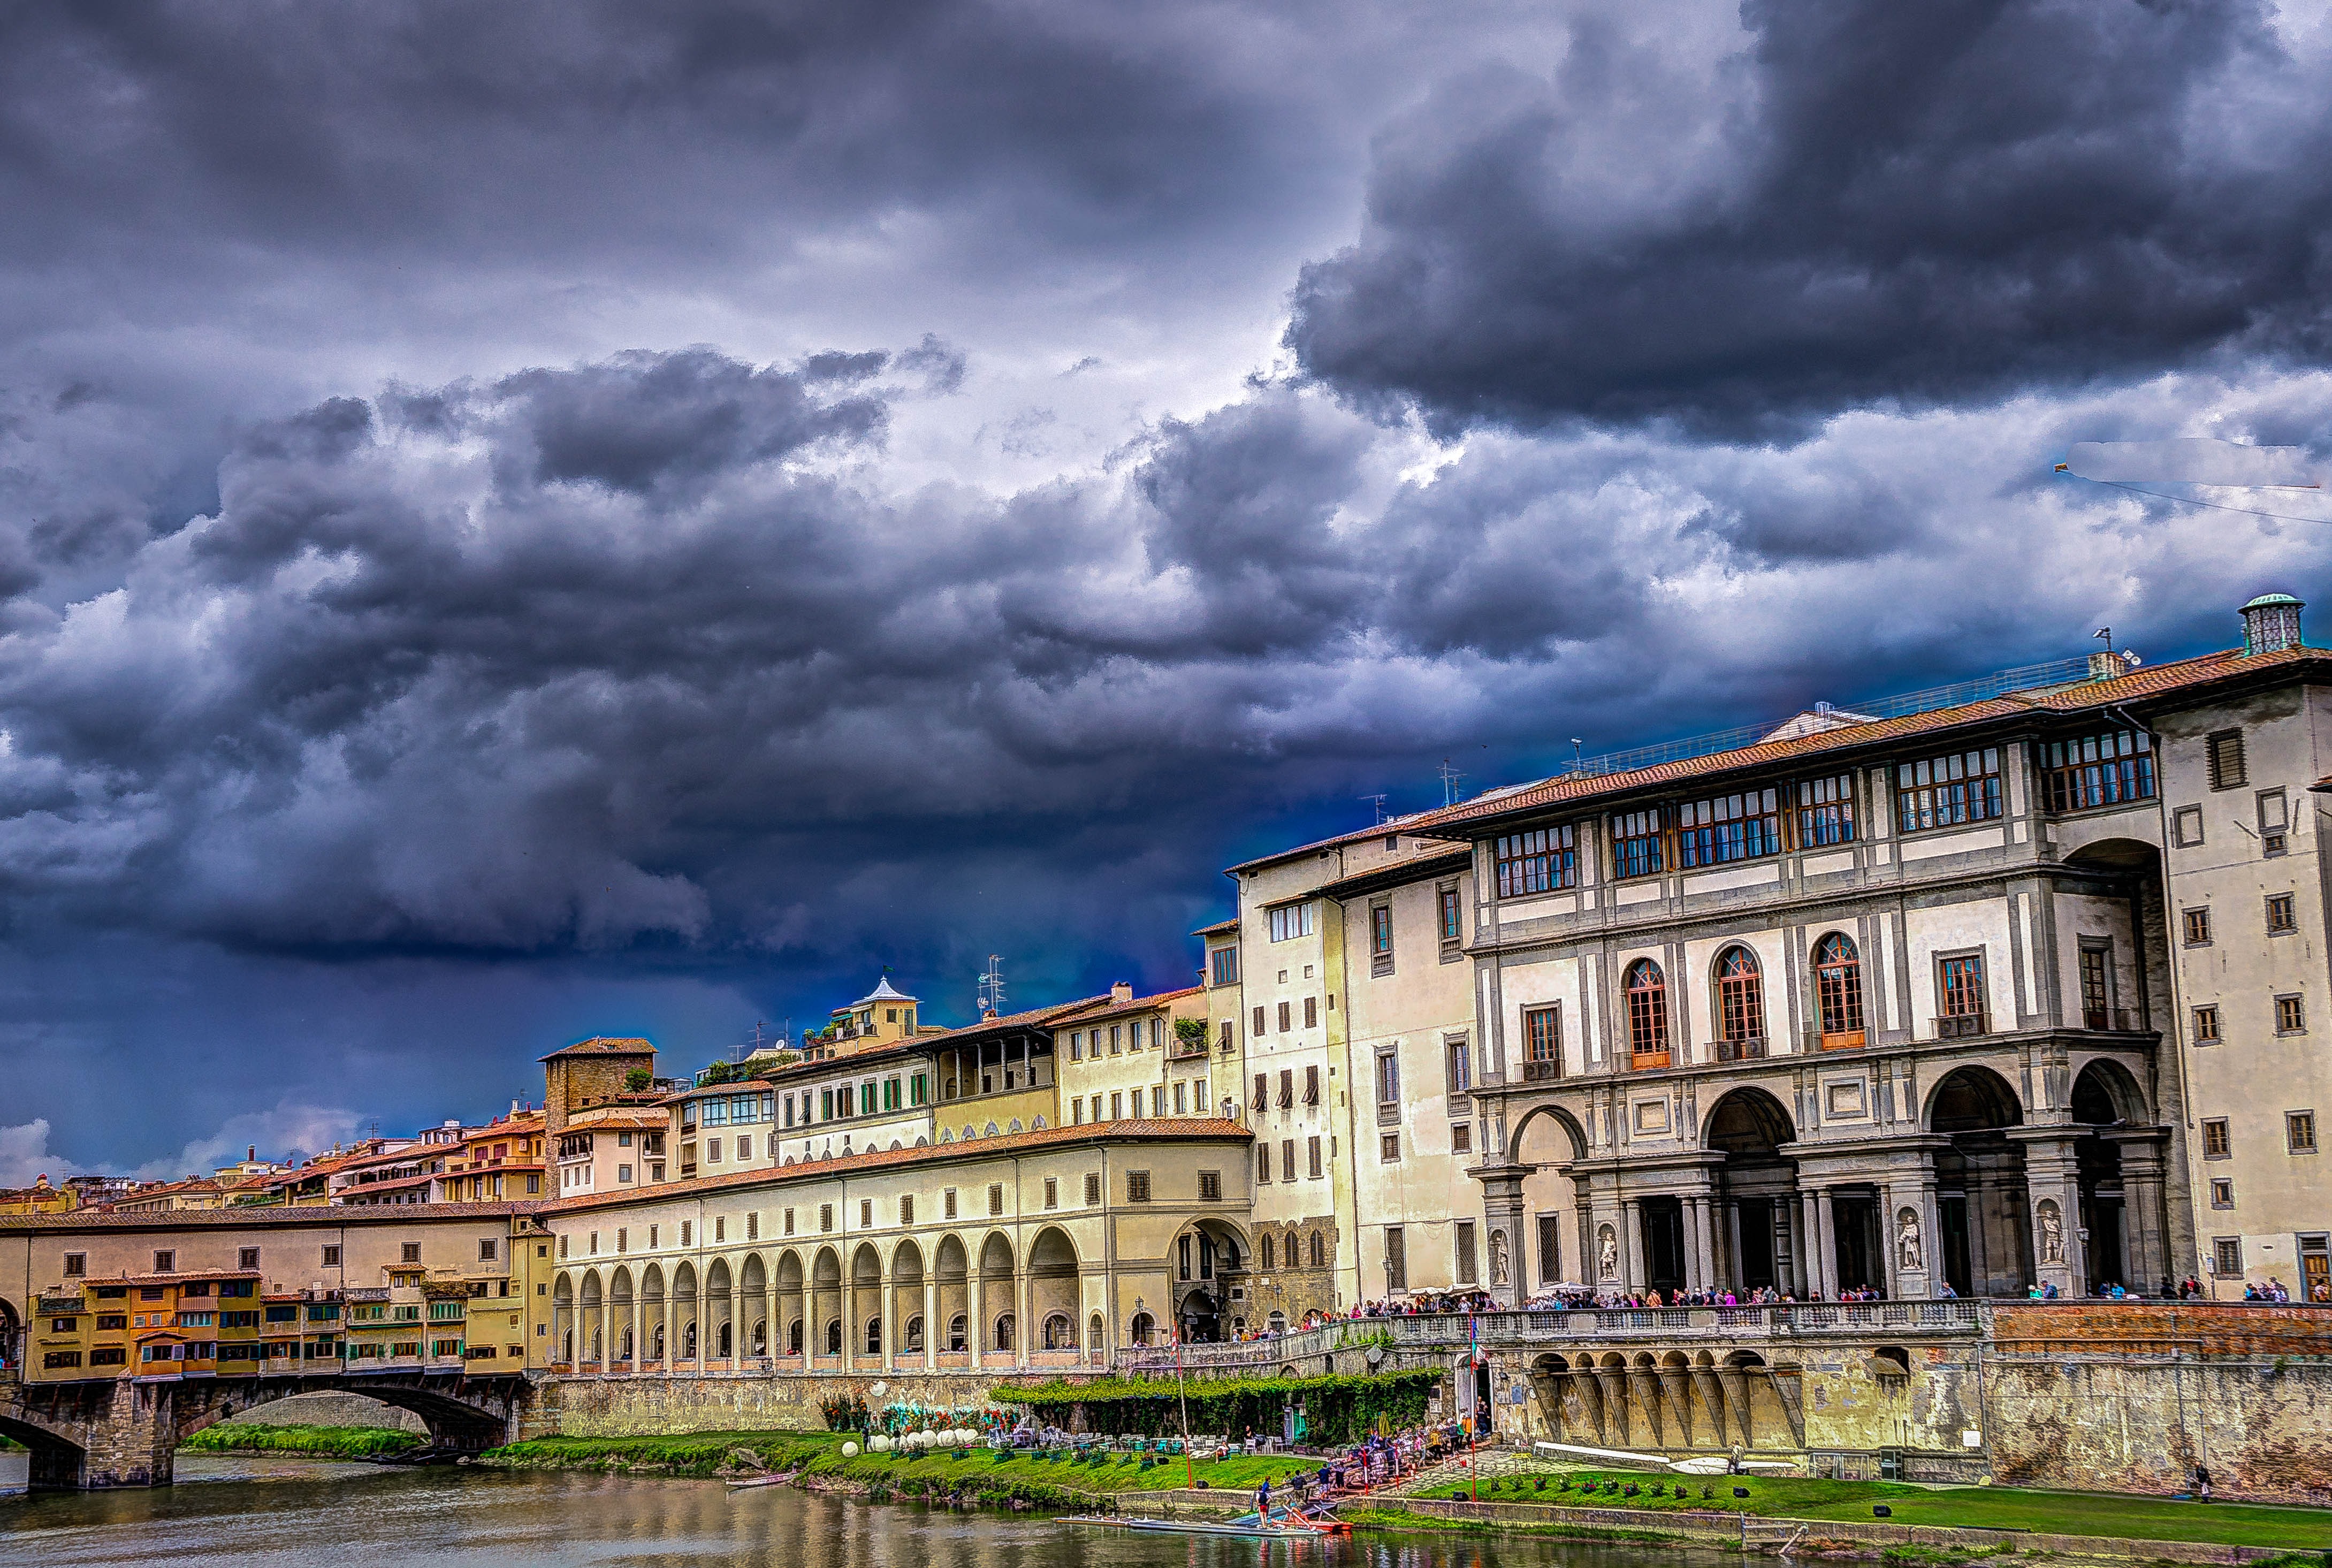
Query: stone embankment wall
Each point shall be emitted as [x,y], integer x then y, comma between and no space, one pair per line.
[626,1407]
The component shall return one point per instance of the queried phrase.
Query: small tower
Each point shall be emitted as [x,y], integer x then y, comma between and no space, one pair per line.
[2271,623]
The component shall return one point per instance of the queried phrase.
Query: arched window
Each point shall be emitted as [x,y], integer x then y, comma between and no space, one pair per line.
[760,1336]
[1263,1249]
[1647,1013]
[956,1331]
[793,1338]
[1837,991]
[1740,1005]
[874,1336]
[1292,1249]
[915,1333]
[1004,1332]
[1141,1328]
[722,1353]
[834,1336]
[1059,1334]
[1095,1332]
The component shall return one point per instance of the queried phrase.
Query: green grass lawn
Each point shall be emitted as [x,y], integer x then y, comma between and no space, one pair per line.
[2117,1515]
[325,1443]
[820,1454]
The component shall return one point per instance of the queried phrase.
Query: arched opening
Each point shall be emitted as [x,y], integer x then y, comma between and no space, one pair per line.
[753,1297]
[720,1309]
[651,1311]
[1980,1192]
[906,1304]
[791,1303]
[1206,1260]
[593,1314]
[1142,1329]
[866,1297]
[1647,989]
[1554,1248]
[826,1300]
[619,1312]
[948,1274]
[1837,993]
[1096,1333]
[1740,1005]
[1755,1232]
[1053,1288]
[996,1296]
[562,1320]
[2106,1096]
[683,1313]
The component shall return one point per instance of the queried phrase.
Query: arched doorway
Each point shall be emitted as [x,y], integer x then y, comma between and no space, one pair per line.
[1203,1263]
[1755,1186]
[2106,1096]
[1987,1242]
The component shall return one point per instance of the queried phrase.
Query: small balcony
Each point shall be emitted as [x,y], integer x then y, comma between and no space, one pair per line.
[1543,1071]
[1645,1061]
[1749,1049]
[1820,1039]
[1963,1026]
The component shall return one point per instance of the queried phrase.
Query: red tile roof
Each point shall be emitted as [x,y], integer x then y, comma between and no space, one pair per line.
[1412,826]
[604,1046]
[1137,1005]
[1221,928]
[1163,1128]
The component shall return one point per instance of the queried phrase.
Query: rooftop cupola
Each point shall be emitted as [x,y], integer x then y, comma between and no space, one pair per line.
[2271,623]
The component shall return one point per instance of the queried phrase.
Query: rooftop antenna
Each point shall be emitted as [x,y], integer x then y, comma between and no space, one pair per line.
[1378,801]
[1450,777]
[991,986]
[2104,634]
[1578,761]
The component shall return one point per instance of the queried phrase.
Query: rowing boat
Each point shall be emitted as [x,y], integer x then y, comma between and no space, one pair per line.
[741,1484]
[1247,1527]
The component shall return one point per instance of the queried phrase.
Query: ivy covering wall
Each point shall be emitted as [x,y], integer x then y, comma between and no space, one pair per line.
[1336,1409]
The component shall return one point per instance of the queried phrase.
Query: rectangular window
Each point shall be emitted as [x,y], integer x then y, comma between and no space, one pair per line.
[167,1262]
[1636,844]
[995,1198]
[947,1203]
[1263,1162]
[1312,1086]
[1052,1192]
[1457,1065]
[1312,1167]
[1541,1044]
[1211,1186]
[865,1214]
[76,1265]
[825,1222]
[1450,917]
[1388,1078]
[1117,1039]
[246,1258]
[2227,1257]
[412,1252]
[1465,1268]
[1825,810]
[2222,1192]
[1944,791]
[1461,1138]
[1181,1099]
[1077,1111]
[1311,1012]
[1291,921]
[1286,1017]
[1286,1088]
[1729,828]
[486,1250]
[1959,985]
[2207,1026]
[2186,827]
[2215,1140]
[1387,1145]
[1262,1092]
[1550,1248]
[2225,750]
[1381,934]
[1117,1105]
[2280,920]
[2300,1131]
[2291,1015]
[1093,1189]
[2104,770]
[1396,1259]
[1287,1159]
[1137,1186]
[2196,924]
[1223,962]
[2097,985]
[1258,1030]
[1541,861]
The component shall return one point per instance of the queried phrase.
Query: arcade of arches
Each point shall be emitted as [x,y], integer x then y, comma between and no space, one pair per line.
[1974,1196]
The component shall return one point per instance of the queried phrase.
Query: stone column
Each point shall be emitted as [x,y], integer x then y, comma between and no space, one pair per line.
[975,1313]
[1733,1280]
[1825,1246]
[1809,1243]
[1631,1245]
[1704,1243]
[2053,1198]
[892,1324]
[2144,1214]
[849,1290]
[1022,1330]
[931,1320]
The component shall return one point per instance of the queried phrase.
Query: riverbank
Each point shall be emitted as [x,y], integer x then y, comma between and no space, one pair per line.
[996,1478]
[315,1443]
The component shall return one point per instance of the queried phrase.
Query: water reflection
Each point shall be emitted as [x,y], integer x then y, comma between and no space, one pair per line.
[300,1514]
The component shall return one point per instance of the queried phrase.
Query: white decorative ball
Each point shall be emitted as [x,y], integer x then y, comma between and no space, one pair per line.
[850,1450]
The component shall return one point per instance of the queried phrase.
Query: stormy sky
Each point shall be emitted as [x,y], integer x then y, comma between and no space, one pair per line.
[534,520]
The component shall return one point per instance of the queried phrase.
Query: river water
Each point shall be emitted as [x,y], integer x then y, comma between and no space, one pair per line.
[260,1512]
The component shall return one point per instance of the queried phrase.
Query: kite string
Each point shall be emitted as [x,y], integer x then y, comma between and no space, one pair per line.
[2187,500]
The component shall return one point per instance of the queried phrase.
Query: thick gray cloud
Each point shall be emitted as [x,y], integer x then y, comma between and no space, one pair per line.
[522,521]
[1869,204]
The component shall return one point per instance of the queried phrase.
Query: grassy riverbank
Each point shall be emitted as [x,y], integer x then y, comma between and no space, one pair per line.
[2119,1516]
[317,1442]
[980,1474]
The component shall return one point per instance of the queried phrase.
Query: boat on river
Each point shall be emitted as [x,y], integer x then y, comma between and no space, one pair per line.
[1281,1525]
[742,1482]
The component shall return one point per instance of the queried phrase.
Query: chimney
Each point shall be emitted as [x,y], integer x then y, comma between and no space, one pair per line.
[2271,623]
[2108,666]
[1121,991]
[251,1155]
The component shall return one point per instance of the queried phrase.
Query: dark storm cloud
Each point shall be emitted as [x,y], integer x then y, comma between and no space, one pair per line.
[1872,203]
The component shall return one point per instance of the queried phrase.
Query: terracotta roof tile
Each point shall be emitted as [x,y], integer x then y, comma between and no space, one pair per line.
[604,1046]
[1221,928]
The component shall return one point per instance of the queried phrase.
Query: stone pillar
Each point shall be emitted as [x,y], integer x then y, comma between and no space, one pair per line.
[2146,1216]
[1825,1246]
[1502,1204]
[892,1324]
[1702,1223]
[1631,1245]
[1733,1280]
[1809,1240]
[975,1313]
[849,1289]
[2053,1198]
[931,1320]
[1023,1331]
